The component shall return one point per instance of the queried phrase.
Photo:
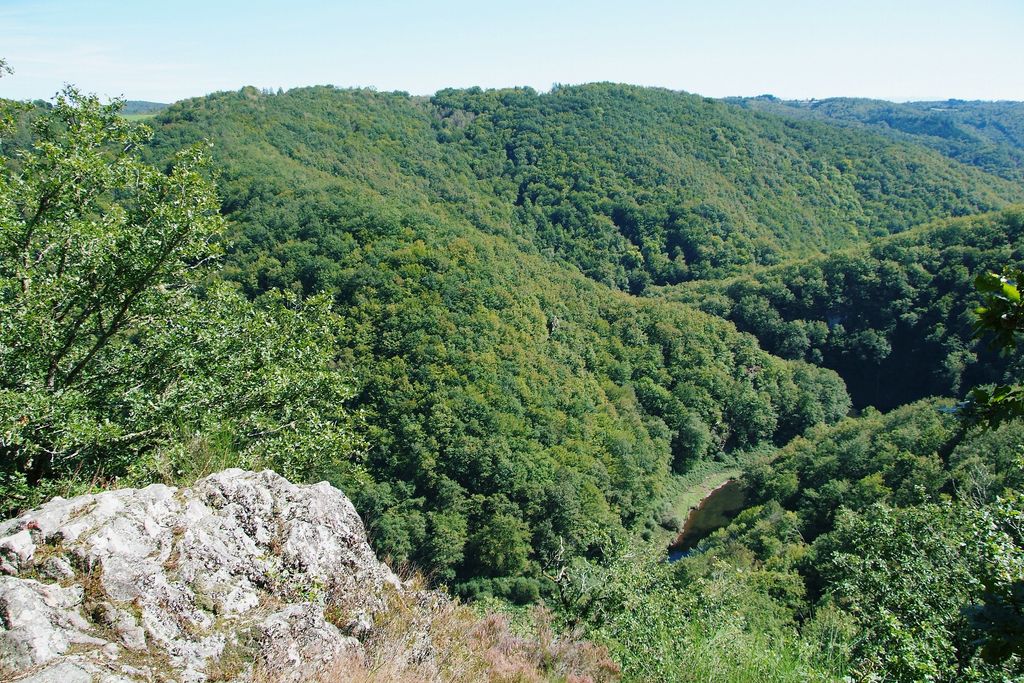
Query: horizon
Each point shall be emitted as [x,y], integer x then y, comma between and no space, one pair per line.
[919,51]
[554,86]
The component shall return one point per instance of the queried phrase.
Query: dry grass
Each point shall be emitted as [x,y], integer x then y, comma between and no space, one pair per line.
[423,637]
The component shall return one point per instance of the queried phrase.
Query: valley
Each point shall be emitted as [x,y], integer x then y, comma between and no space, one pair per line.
[525,333]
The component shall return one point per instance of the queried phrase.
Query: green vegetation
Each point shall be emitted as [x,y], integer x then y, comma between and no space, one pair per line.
[514,408]
[886,547]
[140,109]
[892,318]
[114,360]
[1002,317]
[638,186]
[989,135]
[725,620]
[516,328]
[633,186]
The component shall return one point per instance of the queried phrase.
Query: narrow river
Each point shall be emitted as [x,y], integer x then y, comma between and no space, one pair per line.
[714,512]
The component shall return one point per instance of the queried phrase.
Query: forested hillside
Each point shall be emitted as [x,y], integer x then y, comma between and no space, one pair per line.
[894,318]
[633,186]
[142,108]
[509,325]
[516,410]
[886,547]
[989,135]
[675,186]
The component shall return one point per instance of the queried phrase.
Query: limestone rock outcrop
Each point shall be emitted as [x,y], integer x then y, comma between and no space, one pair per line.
[242,570]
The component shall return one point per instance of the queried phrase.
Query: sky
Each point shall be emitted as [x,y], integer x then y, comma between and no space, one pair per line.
[797,49]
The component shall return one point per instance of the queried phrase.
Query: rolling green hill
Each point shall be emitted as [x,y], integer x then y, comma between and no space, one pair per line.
[518,402]
[989,135]
[894,318]
[675,187]
[632,186]
[515,408]
[512,325]
[142,107]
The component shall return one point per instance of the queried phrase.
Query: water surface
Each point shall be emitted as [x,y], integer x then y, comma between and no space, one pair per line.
[714,512]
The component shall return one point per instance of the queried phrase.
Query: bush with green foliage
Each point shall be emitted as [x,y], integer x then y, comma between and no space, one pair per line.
[1001,318]
[113,358]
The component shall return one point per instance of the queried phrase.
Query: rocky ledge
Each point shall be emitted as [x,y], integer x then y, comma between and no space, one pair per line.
[242,572]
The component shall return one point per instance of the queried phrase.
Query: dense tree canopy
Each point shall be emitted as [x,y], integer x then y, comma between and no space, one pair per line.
[894,319]
[989,135]
[507,322]
[633,186]
[513,407]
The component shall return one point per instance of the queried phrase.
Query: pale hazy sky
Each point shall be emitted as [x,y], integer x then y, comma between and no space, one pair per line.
[163,51]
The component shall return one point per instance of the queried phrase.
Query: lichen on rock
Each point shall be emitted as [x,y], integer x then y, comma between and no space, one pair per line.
[175,584]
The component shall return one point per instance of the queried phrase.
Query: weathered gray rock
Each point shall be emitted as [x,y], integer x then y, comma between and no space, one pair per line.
[170,584]
[299,641]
